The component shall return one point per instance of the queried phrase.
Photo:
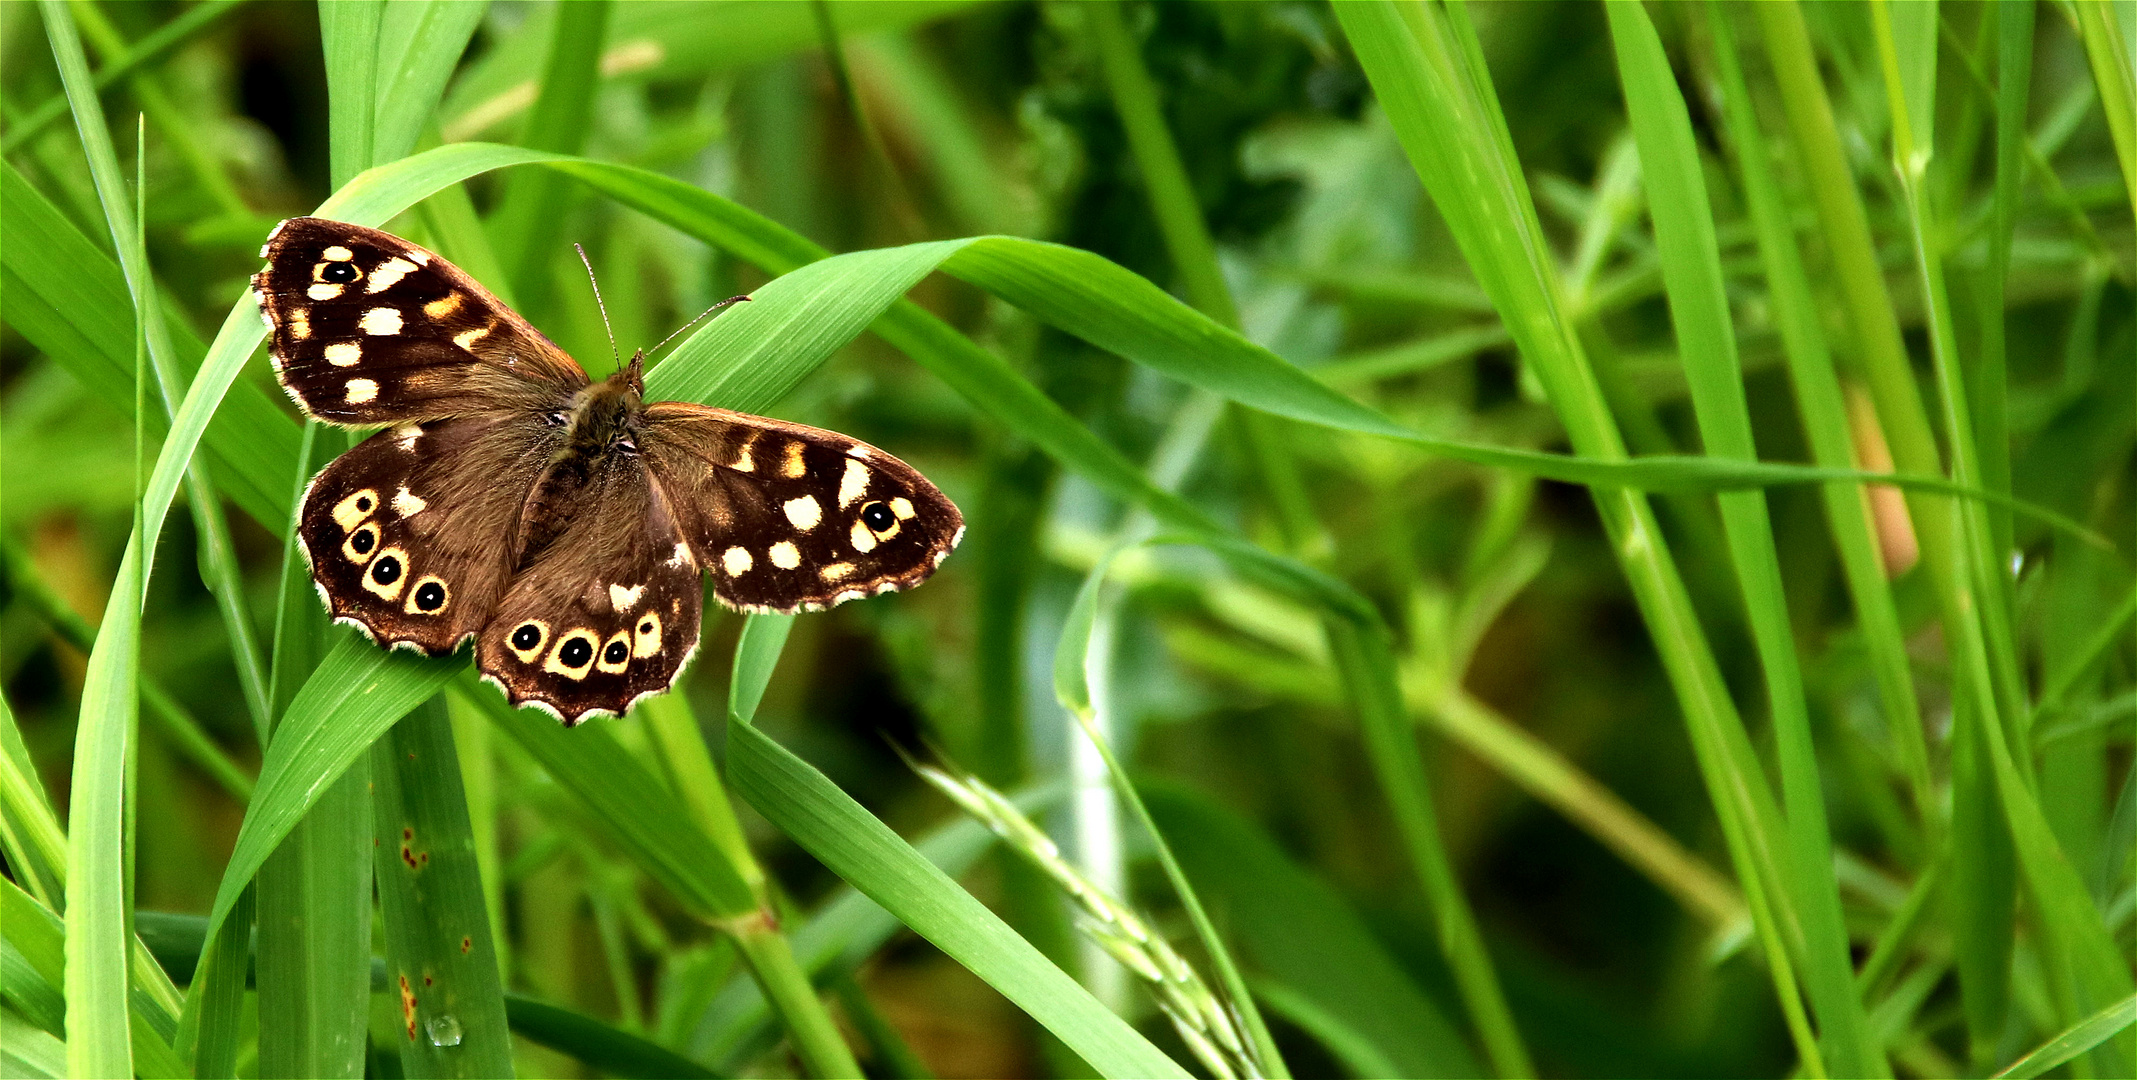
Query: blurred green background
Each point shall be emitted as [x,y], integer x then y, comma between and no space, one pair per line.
[1568,797]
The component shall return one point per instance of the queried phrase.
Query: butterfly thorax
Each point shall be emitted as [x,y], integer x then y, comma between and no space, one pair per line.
[602,431]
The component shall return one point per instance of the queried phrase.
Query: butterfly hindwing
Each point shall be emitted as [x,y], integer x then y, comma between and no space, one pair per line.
[410,533]
[607,610]
[368,328]
[787,517]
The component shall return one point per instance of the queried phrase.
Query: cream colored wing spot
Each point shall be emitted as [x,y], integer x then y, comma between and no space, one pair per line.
[794,467]
[407,503]
[442,306]
[407,435]
[682,555]
[323,290]
[615,653]
[467,339]
[859,450]
[838,571]
[623,599]
[746,461]
[736,561]
[337,253]
[903,507]
[381,322]
[527,640]
[361,544]
[430,596]
[388,574]
[355,507]
[361,391]
[853,484]
[389,273]
[299,321]
[864,539]
[344,353]
[573,655]
[645,641]
[804,512]
[784,555]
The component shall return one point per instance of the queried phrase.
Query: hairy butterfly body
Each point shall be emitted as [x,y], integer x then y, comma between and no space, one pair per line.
[564,525]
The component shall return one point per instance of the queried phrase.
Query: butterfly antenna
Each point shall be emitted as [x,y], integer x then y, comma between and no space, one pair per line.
[599,303]
[694,322]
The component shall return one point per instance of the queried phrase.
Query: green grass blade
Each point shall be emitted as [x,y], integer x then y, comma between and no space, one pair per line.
[610,1050]
[2086,1034]
[849,840]
[1824,410]
[1072,662]
[418,44]
[349,34]
[1426,69]
[150,49]
[99,834]
[26,1050]
[1699,310]
[523,227]
[841,936]
[36,845]
[2106,31]
[439,956]
[1302,937]
[641,814]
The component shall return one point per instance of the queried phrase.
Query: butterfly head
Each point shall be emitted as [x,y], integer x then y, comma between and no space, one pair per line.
[608,416]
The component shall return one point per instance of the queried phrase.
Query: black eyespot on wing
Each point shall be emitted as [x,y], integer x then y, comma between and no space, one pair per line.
[386,571]
[526,637]
[878,516]
[363,541]
[339,273]
[575,653]
[616,653]
[430,596]
[364,504]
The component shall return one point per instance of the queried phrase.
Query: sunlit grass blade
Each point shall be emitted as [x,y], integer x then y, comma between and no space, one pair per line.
[522,229]
[2108,38]
[1699,310]
[868,855]
[419,44]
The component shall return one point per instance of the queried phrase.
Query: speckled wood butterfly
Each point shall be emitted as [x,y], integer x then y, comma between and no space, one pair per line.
[561,523]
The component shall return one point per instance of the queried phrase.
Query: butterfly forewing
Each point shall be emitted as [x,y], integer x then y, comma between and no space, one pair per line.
[607,611]
[410,534]
[369,329]
[792,518]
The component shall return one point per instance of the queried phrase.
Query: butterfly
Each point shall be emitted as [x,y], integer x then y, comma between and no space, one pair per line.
[563,524]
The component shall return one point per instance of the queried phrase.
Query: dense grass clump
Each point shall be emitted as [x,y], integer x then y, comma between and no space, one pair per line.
[1504,539]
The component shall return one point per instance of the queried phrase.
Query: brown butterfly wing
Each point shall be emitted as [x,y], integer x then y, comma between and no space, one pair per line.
[789,518]
[411,533]
[368,328]
[607,611]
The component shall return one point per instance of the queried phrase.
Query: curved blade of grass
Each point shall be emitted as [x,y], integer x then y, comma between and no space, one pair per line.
[1699,309]
[842,934]
[28,1051]
[523,227]
[2086,1034]
[1072,687]
[612,1051]
[856,846]
[100,831]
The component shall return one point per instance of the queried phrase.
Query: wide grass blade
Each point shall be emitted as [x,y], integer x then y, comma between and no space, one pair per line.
[439,955]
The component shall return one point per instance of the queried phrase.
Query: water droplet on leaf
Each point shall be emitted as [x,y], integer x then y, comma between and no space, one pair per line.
[444,1030]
